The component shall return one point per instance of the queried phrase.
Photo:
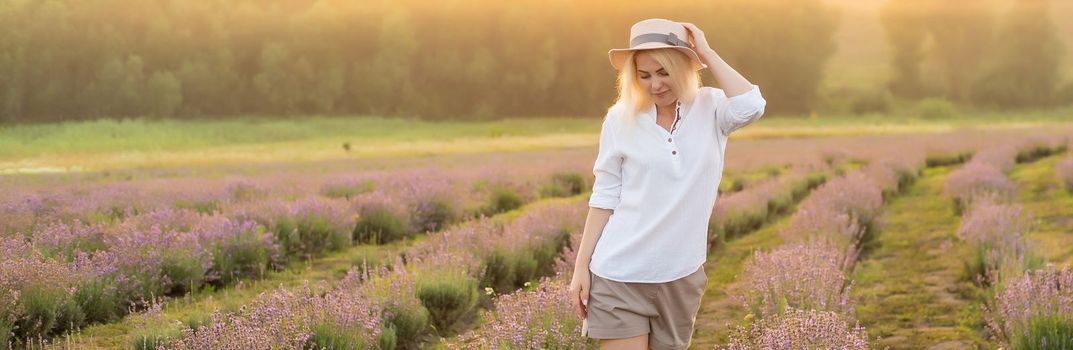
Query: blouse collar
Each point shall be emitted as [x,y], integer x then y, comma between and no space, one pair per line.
[684,110]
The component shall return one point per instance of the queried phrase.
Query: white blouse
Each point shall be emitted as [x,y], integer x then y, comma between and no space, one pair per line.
[662,186]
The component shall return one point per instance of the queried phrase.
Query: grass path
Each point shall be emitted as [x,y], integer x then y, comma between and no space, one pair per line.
[909,288]
[1050,205]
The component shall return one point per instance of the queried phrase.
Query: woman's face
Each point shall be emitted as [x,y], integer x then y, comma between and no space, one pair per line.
[655,80]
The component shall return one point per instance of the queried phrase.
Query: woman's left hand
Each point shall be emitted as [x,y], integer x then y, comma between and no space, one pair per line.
[699,42]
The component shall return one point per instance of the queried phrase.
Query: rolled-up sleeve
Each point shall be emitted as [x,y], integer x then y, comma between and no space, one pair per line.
[607,187]
[738,111]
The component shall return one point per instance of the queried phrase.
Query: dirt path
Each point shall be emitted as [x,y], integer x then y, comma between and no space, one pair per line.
[909,289]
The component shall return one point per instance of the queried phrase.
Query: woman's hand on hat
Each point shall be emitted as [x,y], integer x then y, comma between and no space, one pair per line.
[700,43]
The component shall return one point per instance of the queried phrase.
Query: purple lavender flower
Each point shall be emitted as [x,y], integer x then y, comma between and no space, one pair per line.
[535,319]
[1001,157]
[1031,307]
[996,231]
[854,194]
[800,330]
[804,276]
[977,179]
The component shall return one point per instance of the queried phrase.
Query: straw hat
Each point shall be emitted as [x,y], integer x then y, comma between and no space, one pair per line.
[656,33]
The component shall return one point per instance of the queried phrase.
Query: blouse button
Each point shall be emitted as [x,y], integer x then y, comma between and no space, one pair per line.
[674,152]
[668,140]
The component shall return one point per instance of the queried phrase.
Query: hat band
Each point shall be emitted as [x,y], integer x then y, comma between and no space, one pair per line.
[671,39]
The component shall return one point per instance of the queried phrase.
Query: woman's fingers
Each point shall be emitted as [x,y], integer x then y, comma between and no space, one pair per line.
[575,301]
[699,41]
[691,27]
[584,301]
[579,299]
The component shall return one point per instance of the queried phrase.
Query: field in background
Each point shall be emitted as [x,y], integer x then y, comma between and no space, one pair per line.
[106,144]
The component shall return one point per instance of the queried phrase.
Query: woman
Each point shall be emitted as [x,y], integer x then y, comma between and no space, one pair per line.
[639,275]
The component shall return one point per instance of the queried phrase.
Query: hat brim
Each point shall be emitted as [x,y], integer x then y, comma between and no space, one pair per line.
[618,56]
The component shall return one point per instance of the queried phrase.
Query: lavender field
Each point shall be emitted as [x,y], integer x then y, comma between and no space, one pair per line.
[950,240]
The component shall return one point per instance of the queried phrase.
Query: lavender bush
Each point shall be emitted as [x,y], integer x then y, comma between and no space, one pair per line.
[313,226]
[239,249]
[974,180]
[842,211]
[304,318]
[451,296]
[996,231]
[825,224]
[740,212]
[513,253]
[38,294]
[1034,311]
[800,330]
[802,276]
[893,175]
[854,194]
[527,247]
[540,318]
[736,213]
[565,184]
[1002,157]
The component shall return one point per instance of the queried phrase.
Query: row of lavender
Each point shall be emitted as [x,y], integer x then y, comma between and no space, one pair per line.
[1026,306]
[435,289]
[28,209]
[540,317]
[80,263]
[798,293]
[738,213]
[512,263]
[808,306]
[841,218]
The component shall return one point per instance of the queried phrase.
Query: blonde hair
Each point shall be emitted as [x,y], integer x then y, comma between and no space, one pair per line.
[632,99]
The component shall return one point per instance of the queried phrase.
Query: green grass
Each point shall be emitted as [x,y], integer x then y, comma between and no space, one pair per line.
[909,290]
[170,135]
[1052,207]
[110,144]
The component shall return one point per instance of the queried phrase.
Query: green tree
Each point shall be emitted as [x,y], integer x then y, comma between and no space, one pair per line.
[963,33]
[955,35]
[1026,69]
[163,95]
[904,25]
[780,46]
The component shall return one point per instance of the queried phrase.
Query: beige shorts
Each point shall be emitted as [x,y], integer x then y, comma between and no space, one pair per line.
[665,311]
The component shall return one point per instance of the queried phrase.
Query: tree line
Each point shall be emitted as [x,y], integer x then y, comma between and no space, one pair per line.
[989,53]
[452,59]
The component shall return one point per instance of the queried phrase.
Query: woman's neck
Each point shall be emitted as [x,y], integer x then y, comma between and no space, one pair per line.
[668,110]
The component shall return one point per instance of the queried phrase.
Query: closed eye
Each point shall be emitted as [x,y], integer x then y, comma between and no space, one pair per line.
[661,73]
